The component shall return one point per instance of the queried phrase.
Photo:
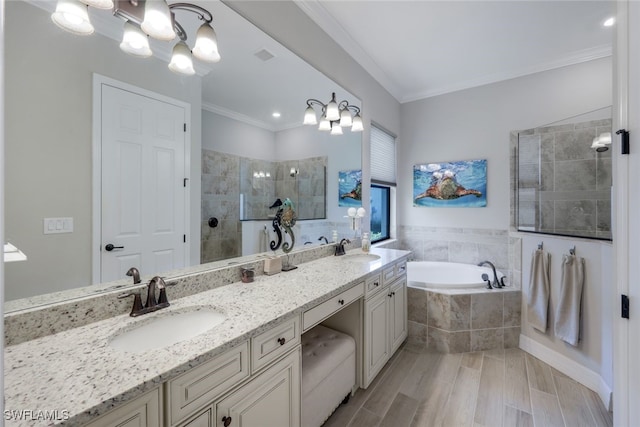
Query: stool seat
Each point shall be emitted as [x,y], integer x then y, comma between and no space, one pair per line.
[328,373]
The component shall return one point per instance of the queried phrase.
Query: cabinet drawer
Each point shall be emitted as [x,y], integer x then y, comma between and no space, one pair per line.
[388,275]
[320,312]
[142,411]
[401,268]
[372,285]
[274,343]
[202,384]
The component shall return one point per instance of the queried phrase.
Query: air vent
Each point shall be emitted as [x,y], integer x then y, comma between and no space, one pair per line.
[264,54]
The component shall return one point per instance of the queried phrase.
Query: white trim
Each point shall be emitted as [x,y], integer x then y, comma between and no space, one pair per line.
[96,221]
[234,115]
[569,367]
[621,206]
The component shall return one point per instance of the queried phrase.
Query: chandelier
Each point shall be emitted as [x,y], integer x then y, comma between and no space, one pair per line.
[334,116]
[143,19]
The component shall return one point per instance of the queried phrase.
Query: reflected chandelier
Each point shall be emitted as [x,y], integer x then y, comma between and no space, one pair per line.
[154,18]
[334,117]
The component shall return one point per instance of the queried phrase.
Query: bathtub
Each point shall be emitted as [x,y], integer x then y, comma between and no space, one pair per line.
[447,275]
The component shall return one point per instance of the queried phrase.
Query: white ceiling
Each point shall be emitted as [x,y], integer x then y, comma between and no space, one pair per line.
[418,49]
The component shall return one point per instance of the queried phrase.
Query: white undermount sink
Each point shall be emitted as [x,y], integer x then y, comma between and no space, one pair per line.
[166,330]
[361,257]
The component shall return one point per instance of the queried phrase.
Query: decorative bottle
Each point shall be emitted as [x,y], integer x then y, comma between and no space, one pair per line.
[366,243]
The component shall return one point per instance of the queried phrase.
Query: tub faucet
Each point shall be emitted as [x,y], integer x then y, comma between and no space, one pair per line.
[495,283]
[340,247]
[326,242]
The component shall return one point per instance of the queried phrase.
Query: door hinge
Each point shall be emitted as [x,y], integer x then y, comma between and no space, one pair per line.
[624,140]
[184,238]
[625,307]
[185,127]
[184,182]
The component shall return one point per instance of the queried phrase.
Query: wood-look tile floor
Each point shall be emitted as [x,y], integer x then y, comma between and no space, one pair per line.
[492,388]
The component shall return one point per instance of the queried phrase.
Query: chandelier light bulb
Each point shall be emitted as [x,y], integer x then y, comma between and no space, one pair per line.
[345,118]
[336,129]
[357,124]
[157,20]
[310,116]
[181,61]
[333,112]
[325,124]
[73,16]
[134,41]
[206,47]
[99,4]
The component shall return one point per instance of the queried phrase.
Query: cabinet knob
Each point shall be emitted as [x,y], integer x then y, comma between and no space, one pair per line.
[376,284]
[226,421]
[341,301]
[281,341]
[390,295]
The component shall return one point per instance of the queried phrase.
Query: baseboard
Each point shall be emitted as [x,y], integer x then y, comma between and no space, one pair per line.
[567,366]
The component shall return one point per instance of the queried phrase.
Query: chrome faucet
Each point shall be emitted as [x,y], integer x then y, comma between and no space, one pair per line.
[495,283]
[340,247]
[326,242]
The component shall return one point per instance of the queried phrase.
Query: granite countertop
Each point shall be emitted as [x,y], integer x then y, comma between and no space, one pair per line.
[78,374]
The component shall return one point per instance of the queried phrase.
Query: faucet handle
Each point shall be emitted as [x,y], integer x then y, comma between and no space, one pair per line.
[162,286]
[137,308]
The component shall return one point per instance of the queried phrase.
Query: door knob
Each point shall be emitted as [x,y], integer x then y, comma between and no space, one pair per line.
[109,247]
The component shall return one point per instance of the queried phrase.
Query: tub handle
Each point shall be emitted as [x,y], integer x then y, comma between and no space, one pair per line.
[485,277]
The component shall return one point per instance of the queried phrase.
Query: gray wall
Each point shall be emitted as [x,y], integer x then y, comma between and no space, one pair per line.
[48,137]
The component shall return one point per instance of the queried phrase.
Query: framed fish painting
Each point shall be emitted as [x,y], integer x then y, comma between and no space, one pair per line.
[461,184]
[350,188]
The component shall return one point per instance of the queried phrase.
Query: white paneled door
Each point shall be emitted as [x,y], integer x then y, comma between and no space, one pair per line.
[142,184]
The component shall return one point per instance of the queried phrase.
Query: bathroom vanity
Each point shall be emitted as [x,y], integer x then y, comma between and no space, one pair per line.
[244,371]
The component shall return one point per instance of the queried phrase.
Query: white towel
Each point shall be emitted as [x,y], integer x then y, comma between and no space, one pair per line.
[538,291]
[567,318]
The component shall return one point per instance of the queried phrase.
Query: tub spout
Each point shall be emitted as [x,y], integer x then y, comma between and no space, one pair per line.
[495,283]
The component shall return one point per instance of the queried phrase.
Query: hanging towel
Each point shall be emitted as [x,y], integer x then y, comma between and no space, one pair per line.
[567,318]
[538,292]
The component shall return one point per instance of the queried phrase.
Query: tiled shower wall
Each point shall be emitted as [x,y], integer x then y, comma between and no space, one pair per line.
[221,175]
[220,189]
[564,185]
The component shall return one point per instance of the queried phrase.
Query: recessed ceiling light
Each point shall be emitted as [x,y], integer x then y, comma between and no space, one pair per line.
[609,22]
[276,114]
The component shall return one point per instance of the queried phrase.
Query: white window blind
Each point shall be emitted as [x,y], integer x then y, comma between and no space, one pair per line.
[383,156]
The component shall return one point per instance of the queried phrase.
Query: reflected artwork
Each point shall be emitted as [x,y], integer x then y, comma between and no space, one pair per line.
[461,184]
[350,188]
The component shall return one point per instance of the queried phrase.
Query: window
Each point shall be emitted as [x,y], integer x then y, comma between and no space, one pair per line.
[383,179]
[380,212]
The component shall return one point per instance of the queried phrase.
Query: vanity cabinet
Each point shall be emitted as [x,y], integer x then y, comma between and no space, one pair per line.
[385,321]
[144,411]
[270,399]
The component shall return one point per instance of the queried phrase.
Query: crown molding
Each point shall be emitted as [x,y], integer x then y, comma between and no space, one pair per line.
[578,57]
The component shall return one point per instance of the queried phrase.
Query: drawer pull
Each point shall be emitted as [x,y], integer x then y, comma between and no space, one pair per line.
[376,284]
[390,295]
[403,268]
[226,421]
[281,341]
[341,301]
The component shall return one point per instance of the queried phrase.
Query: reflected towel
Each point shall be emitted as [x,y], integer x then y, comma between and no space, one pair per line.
[538,291]
[567,316]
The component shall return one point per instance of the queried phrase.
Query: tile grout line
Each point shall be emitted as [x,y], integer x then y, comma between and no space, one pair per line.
[475,406]
[526,368]
[553,380]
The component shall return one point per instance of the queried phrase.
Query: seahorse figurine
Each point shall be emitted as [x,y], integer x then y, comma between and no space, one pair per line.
[288,220]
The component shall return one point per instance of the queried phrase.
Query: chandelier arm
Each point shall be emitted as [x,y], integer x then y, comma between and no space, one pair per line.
[310,102]
[180,32]
[203,14]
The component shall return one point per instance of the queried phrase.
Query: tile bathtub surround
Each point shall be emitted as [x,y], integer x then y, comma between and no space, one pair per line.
[464,322]
[465,245]
[37,317]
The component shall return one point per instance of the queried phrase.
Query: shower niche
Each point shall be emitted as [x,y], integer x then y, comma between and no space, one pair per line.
[562,179]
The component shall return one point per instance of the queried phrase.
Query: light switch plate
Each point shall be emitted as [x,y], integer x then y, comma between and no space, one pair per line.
[58,225]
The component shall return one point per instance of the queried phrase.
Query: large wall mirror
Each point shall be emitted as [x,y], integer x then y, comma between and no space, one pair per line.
[49,133]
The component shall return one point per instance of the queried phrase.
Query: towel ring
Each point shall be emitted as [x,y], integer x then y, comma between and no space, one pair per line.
[540,246]
[572,251]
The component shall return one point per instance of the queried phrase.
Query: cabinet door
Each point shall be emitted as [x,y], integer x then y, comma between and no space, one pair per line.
[272,399]
[205,419]
[376,335]
[398,314]
[143,411]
